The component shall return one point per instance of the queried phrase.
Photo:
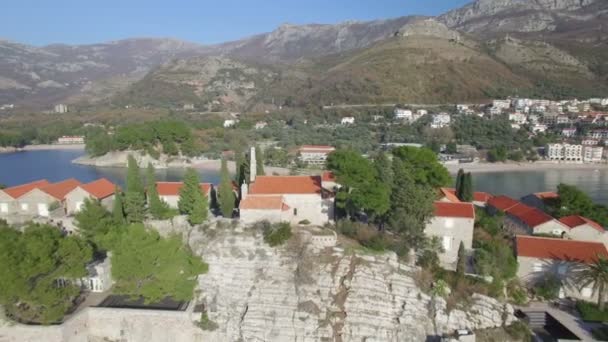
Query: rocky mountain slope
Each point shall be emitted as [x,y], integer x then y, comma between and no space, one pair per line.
[45,75]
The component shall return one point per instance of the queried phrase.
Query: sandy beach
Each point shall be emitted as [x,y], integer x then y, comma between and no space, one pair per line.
[215,165]
[514,167]
[42,147]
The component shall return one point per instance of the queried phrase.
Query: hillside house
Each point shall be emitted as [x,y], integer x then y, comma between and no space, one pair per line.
[540,257]
[524,219]
[101,190]
[541,200]
[452,224]
[348,120]
[9,197]
[584,229]
[40,201]
[169,192]
[314,154]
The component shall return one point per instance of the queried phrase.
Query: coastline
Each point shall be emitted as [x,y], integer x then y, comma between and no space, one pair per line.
[216,164]
[515,167]
[42,147]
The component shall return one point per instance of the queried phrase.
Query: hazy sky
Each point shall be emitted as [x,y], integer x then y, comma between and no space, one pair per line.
[41,22]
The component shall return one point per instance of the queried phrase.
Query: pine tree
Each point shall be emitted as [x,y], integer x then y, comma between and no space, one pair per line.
[462,260]
[199,211]
[156,206]
[135,200]
[118,212]
[189,192]
[226,195]
[259,162]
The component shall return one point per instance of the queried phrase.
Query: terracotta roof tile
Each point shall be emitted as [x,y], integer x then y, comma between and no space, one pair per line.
[172,188]
[328,176]
[546,195]
[60,189]
[263,203]
[450,194]
[574,221]
[479,196]
[502,202]
[449,209]
[268,185]
[559,249]
[100,188]
[20,190]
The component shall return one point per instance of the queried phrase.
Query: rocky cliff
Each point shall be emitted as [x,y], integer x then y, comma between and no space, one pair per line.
[297,293]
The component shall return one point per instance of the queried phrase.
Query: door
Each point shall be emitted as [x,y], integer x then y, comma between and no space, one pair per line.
[43,209]
[4,208]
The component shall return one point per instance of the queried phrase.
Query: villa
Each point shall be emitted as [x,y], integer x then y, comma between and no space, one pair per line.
[584,229]
[39,201]
[9,196]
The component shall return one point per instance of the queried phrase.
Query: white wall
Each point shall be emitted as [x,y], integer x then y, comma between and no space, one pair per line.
[309,207]
[451,231]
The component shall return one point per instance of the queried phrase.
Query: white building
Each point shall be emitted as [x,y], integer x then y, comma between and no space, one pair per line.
[539,128]
[562,120]
[518,118]
[260,125]
[452,225]
[462,108]
[441,120]
[569,132]
[61,108]
[501,104]
[348,120]
[99,278]
[70,140]
[564,152]
[315,154]
[403,114]
[598,134]
[229,123]
[169,192]
[593,154]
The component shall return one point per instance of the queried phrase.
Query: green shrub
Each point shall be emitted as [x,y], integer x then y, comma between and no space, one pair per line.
[600,333]
[591,312]
[277,234]
[548,287]
[304,222]
[519,331]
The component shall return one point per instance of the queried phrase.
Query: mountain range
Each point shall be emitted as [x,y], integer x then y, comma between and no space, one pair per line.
[488,48]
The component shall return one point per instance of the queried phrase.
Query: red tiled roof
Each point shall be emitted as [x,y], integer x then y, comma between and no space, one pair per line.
[449,209]
[328,176]
[264,203]
[20,190]
[532,217]
[502,202]
[559,249]
[479,196]
[60,189]
[172,188]
[546,195]
[450,194]
[576,220]
[100,188]
[268,185]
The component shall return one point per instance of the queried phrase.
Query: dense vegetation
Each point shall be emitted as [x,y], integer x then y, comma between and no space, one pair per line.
[573,201]
[30,264]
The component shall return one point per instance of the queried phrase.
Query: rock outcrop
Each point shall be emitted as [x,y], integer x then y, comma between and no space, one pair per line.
[119,159]
[428,27]
[257,293]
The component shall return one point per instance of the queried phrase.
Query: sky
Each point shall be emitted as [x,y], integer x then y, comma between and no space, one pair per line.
[42,22]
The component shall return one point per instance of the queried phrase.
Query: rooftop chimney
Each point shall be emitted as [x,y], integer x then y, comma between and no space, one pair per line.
[252,165]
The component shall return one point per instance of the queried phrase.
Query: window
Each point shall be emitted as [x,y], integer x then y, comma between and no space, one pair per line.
[295,211]
[24,206]
[587,292]
[3,207]
[562,269]
[447,243]
[537,267]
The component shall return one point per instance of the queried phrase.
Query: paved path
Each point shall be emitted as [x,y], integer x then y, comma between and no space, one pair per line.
[573,323]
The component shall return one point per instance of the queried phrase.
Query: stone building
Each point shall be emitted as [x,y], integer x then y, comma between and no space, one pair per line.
[584,229]
[169,191]
[540,258]
[452,224]
[524,219]
[314,154]
[101,190]
[40,201]
[9,197]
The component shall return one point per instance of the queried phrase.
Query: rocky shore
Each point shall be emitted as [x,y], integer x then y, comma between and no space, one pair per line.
[42,147]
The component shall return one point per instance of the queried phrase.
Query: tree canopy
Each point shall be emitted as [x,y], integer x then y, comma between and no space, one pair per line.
[226,196]
[423,165]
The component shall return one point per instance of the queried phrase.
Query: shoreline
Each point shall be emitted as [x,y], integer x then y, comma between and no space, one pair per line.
[516,167]
[42,147]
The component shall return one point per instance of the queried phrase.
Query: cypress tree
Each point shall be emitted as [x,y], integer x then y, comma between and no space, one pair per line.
[226,195]
[199,211]
[259,162]
[135,200]
[118,213]
[462,260]
[458,187]
[156,206]
[467,188]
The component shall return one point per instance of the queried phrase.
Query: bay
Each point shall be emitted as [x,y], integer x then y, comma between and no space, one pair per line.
[56,165]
